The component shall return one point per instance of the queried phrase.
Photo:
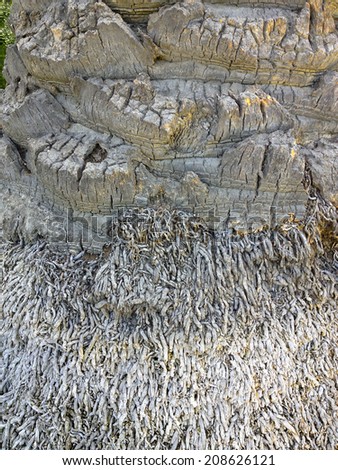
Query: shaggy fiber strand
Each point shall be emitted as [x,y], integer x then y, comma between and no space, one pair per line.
[175,338]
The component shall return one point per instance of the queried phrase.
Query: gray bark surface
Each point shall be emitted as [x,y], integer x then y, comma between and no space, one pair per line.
[169,212]
[211,107]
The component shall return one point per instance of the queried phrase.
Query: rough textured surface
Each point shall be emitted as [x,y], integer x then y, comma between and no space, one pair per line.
[172,340]
[208,318]
[211,107]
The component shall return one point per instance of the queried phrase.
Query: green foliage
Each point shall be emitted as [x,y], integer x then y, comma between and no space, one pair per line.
[6,35]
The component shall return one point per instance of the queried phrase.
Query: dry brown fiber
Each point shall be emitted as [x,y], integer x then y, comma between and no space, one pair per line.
[173,339]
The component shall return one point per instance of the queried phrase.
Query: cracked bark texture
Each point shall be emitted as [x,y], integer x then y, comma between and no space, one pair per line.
[211,107]
[128,322]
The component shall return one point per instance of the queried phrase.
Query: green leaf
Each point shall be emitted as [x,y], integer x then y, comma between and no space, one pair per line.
[6,35]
